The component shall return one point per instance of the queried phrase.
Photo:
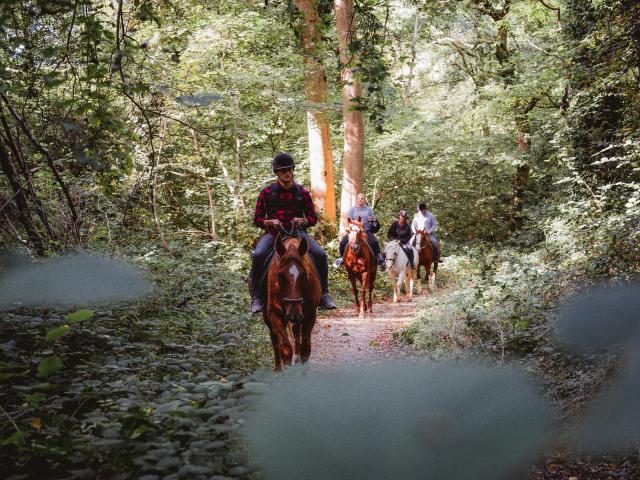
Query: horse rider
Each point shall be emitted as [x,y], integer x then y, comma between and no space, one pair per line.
[425,220]
[369,224]
[400,230]
[285,202]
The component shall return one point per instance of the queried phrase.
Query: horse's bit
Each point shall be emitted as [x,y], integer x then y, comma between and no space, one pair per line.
[286,300]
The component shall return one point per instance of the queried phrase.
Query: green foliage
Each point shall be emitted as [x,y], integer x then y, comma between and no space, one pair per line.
[153,386]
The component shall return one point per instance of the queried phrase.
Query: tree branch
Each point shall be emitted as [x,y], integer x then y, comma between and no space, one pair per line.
[49,159]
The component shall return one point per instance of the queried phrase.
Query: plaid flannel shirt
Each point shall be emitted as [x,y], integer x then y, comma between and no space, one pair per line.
[285,209]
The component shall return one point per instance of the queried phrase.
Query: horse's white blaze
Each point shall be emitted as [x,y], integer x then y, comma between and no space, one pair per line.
[294,271]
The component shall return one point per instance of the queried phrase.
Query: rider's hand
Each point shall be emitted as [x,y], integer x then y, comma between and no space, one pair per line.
[370,218]
[272,222]
[299,222]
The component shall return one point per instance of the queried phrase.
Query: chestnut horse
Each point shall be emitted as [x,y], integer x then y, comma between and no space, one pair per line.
[293,295]
[360,265]
[423,244]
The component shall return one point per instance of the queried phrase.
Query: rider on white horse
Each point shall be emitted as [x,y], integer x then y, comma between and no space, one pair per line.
[399,267]
[425,220]
[400,230]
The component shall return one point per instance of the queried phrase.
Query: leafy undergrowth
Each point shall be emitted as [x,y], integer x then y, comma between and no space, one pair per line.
[500,305]
[142,391]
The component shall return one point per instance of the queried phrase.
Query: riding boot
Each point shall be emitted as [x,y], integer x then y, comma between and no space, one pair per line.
[409,251]
[326,302]
[381,262]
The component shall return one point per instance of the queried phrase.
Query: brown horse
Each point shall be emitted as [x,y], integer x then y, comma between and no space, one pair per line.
[293,295]
[423,244]
[360,264]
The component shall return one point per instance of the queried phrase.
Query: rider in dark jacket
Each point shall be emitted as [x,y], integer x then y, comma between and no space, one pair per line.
[400,230]
[289,204]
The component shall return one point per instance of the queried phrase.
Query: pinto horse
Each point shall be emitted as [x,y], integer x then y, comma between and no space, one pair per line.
[360,265]
[423,244]
[293,295]
[399,269]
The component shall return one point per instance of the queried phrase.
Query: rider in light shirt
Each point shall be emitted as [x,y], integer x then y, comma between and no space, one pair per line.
[424,220]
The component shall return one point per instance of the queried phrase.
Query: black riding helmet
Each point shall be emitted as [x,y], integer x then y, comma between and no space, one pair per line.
[281,161]
[422,206]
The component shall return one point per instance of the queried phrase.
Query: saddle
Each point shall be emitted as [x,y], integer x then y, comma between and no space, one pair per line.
[407,249]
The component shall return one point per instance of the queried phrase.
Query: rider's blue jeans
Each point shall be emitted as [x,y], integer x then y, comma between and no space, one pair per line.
[264,251]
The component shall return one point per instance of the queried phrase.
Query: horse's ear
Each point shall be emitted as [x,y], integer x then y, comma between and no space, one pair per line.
[349,220]
[280,245]
[303,247]
[359,219]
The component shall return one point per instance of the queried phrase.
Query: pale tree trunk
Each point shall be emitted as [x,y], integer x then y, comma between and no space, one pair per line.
[154,183]
[212,216]
[239,164]
[353,157]
[321,160]
[414,42]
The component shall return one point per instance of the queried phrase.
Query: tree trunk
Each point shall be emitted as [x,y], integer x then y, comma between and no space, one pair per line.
[239,164]
[353,156]
[26,173]
[321,158]
[520,182]
[212,216]
[23,213]
[521,179]
[414,42]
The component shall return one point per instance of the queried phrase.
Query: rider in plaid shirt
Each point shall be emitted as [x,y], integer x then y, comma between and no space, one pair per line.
[288,203]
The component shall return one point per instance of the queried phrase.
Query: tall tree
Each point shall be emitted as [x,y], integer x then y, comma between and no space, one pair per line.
[321,158]
[353,156]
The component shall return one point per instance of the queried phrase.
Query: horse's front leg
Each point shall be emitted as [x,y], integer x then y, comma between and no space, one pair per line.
[307,328]
[282,351]
[372,279]
[408,283]
[354,287]
[432,278]
[296,329]
[428,274]
[363,303]
[397,282]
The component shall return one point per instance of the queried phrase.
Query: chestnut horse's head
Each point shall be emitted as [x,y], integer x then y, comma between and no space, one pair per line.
[292,276]
[356,234]
[421,239]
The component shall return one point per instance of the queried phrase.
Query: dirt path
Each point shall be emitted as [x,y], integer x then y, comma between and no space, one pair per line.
[345,338]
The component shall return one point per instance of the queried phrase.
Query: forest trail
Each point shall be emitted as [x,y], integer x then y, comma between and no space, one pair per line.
[344,337]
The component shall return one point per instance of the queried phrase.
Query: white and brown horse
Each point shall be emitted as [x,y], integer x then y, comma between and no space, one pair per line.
[399,268]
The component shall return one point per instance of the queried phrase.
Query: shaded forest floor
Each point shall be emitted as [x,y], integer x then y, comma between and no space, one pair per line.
[158,389]
[344,337]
